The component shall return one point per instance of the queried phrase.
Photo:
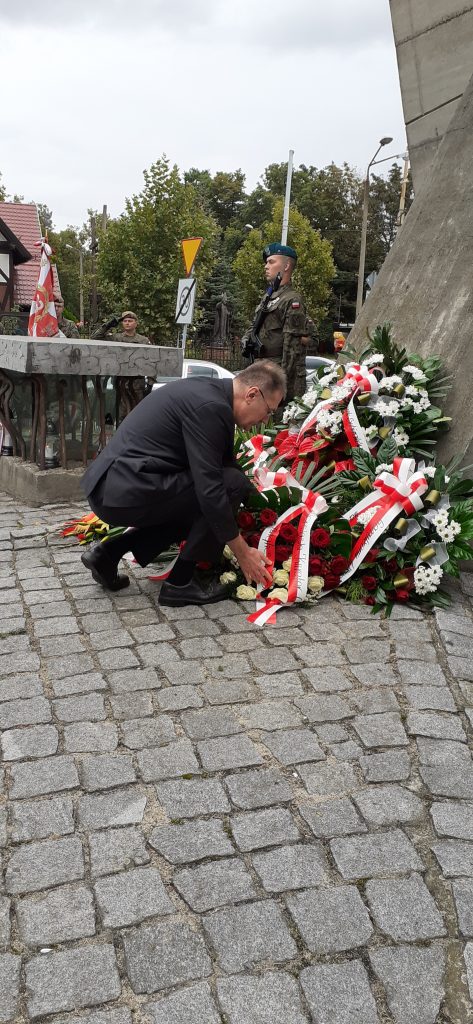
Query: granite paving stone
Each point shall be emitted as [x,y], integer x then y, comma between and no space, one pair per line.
[429,723]
[71,664]
[177,698]
[386,805]
[90,736]
[56,916]
[293,746]
[391,766]
[159,956]
[463,895]
[81,683]
[404,909]
[9,985]
[454,856]
[127,681]
[71,979]
[5,925]
[228,752]
[138,733]
[258,788]
[298,866]
[48,775]
[331,920]
[453,819]
[255,829]
[119,1015]
[271,998]
[131,705]
[332,818]
[24,712]
[436,698]
[327,680]
[468,955]
[284,684]
[20,686]
[36,741]
[201,725]
[186,1006]
[329,779]
[40,865]
[442,753]
[87,708]
[117,658]
[373,702]
[193,840]
[215,884]
[116,849]
[38,819]
[413,980]
[187,798]
[452,781]
[104,771]
[120,807]
[378,854]
[246,935]
[176,759]
[382,730]
[339,993]
[131,896]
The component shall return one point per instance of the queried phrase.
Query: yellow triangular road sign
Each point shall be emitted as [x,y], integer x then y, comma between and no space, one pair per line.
[190,248]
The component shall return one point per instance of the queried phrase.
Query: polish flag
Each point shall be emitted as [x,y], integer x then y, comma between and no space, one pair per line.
[43,320]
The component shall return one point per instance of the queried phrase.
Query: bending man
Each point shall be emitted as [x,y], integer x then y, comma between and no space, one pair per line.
[169,472]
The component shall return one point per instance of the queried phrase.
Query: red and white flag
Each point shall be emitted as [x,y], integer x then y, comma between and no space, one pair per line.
[43,320]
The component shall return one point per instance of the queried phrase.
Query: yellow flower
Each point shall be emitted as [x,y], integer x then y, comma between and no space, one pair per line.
[287,564]
[315,584]
[228,577]
[245,593]
[280,593]
[280,577]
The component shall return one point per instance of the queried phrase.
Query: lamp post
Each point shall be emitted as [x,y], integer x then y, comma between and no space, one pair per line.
[81,279]
[364,225]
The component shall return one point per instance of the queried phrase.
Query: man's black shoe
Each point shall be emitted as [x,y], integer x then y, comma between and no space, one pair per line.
[192,593]
[103,569]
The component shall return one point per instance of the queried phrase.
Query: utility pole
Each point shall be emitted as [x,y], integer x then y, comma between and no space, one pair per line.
[285,216]
[93,282]
[104,218]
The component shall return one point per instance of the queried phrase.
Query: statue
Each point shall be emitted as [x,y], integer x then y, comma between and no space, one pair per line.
[221,322]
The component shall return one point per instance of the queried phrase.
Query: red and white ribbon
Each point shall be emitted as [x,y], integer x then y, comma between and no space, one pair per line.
[396,492]
[311,505]
[360,380]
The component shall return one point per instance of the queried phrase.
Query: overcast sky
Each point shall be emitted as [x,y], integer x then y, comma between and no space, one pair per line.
[214,84]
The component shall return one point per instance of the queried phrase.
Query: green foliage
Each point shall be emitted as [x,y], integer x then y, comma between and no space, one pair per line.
[314,269]
[140,257]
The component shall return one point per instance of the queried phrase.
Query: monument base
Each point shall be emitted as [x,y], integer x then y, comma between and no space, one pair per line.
[27,483]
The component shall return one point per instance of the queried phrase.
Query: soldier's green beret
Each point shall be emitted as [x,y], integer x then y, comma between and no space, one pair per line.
[278,249]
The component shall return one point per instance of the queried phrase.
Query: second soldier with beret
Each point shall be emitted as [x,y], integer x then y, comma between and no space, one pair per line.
[283,326]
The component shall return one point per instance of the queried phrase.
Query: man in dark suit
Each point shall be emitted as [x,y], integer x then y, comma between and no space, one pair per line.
[170,473]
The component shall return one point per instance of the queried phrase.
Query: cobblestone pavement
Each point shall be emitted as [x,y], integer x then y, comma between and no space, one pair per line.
[205,823]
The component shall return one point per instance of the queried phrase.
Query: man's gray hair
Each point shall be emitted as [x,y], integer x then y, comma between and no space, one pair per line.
[264,374]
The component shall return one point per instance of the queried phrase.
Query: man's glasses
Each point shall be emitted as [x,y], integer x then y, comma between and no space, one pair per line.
[268,407]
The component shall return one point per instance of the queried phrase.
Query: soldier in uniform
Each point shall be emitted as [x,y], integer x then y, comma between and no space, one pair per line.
[284,324]
[67,328]
[129,333]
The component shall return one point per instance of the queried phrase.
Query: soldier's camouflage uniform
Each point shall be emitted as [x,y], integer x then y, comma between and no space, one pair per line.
[281,336]
[68,328]
[138,383]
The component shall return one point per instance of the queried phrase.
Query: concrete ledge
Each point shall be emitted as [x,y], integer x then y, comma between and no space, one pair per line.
[24,481]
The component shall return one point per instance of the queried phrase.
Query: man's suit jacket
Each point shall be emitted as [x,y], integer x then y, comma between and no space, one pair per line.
[179,434]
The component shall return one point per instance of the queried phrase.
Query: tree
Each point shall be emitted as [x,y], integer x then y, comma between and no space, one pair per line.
[140,258]
[314,269]
[45,218]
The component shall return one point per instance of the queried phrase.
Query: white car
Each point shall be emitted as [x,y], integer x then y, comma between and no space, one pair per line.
[196,368]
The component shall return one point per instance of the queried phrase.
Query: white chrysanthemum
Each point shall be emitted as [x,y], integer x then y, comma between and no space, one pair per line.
[384,467]
[387,408]
[287,564]
[429,471]
[390,382]
[371,431]
[427,579]
[335,500]
[228,577]
[310,398]
[440,519]
[415,373]
[448,531]
[400,437]
[425,403]
[365,517]
[411,390]
[375,360]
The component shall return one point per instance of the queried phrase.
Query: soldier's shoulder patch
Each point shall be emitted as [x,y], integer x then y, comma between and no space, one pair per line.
[295,305]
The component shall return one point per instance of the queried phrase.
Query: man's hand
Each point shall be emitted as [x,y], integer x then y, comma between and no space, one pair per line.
[253,563]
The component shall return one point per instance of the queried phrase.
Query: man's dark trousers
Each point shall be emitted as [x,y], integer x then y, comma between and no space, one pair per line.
[159,524]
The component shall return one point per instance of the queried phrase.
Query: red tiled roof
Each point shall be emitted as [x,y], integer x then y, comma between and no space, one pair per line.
[23,220]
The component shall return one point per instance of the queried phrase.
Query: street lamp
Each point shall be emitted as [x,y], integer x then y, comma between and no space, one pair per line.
[364,225]
[81,279]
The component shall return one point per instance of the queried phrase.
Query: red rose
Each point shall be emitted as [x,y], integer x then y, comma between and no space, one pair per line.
[282,552]
[320,538]
[317,566]
[288,533]
[245,520]
[339,564]
[268,517]
[331,580]
[391,565]
[253,539]
[369,582]
[372,556]
[369,600]
[402,595]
